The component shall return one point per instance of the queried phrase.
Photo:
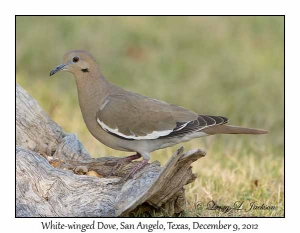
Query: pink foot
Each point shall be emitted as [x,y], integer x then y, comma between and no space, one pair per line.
[123,161]
[138,167]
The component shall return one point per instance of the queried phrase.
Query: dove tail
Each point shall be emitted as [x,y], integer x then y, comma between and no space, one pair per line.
[231,129]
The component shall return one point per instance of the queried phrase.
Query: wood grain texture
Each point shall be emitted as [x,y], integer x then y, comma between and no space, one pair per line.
[56,177]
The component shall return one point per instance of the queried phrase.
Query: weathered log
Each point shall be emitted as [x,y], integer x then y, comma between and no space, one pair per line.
[57,177]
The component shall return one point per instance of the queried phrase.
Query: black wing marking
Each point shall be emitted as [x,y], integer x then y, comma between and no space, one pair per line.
[184,128]
[203,121]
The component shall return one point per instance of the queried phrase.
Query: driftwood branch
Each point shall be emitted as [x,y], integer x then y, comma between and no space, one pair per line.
[57,177]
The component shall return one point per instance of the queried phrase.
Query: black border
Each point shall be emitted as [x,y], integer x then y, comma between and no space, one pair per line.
[153,217]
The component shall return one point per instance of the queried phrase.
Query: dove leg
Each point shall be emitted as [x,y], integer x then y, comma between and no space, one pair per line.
[123,161]
[136,168]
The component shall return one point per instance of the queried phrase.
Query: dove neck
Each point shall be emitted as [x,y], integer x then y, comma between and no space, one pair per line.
[92,89]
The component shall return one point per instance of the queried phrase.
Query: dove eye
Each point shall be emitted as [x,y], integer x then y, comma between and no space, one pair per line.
[75,59]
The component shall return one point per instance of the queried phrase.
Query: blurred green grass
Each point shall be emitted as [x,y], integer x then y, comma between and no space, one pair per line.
[229,66]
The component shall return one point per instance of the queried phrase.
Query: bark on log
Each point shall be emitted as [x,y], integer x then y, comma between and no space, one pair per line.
[56,177]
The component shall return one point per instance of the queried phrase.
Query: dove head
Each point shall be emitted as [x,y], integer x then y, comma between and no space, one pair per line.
[77,62]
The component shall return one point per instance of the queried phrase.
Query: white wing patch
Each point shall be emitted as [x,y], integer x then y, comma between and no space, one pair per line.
[153,135]
[181,127]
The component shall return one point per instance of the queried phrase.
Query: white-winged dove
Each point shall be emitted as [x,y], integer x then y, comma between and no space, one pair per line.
[127,121]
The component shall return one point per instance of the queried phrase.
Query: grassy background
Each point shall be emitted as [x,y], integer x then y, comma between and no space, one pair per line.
[230,66]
